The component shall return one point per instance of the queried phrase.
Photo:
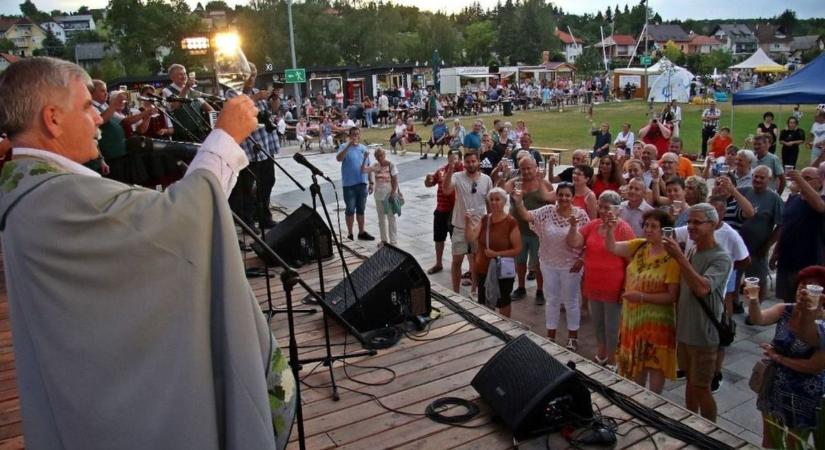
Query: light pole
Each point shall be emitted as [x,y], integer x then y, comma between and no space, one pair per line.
[296,91]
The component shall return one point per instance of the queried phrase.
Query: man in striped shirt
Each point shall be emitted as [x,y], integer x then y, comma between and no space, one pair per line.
[250,197]
[710,122]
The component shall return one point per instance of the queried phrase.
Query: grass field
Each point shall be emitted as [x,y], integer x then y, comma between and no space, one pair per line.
[571,128]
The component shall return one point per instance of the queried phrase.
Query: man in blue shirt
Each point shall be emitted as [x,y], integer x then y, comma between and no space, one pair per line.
[473,139]
[353,155]
[440,137]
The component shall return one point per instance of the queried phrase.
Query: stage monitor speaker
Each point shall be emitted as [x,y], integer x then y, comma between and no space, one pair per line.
[531,391]
[391,287]
[293,239]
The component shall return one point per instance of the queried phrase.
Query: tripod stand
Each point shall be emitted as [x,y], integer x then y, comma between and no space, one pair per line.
[329,359]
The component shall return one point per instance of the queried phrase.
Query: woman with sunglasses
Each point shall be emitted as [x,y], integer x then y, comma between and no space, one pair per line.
[556,226]
[647,332]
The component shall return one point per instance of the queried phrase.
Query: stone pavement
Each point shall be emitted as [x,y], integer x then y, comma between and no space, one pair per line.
[736,403]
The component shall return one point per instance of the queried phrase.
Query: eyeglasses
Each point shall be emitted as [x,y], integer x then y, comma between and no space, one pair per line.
[475,188]
[698,222]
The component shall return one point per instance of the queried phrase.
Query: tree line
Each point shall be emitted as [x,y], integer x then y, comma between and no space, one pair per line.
[369,33]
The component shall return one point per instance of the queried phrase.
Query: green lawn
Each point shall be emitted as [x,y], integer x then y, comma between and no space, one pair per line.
[571,128]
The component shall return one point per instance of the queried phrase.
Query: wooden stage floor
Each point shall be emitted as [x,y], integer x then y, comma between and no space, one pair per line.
[440,364]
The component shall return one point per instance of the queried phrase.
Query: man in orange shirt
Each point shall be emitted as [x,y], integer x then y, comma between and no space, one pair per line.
[685,165]
[719,142]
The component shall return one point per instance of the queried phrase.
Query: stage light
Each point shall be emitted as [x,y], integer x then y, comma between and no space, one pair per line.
[198,45]
[227,42]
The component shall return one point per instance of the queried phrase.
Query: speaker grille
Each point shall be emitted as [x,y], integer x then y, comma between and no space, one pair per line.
[521,379]
[390,285]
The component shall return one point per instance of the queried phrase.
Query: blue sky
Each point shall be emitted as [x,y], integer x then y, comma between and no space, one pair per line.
[668,9]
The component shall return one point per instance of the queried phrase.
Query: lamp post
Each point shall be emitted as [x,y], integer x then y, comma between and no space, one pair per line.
[296,91]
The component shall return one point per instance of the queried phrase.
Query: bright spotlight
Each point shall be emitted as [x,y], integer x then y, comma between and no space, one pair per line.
[227,42]
[195,45]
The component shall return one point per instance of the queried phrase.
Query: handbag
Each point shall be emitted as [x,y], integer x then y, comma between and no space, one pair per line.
[762,376]
[726,327]
[505,265]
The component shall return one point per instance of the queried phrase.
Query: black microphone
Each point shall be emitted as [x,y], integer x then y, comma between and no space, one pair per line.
[301,159]
[175,98]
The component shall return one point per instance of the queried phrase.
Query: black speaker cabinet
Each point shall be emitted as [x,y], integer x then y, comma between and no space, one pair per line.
[294,239]
[391,287]
[531,391]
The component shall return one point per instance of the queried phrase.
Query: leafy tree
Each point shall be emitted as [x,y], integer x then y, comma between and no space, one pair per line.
[51,46]
[478,42]
[30,10]
[608,15]
[6,45]
[83,10]
[787,21]
[590,62]
[717,59]
[672,52]
[810,55]
[217,5]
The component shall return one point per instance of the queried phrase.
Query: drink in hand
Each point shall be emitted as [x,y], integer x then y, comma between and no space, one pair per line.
[752,288]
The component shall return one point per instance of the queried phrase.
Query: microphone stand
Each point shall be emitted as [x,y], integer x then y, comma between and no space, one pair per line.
[289,278]
[328,359]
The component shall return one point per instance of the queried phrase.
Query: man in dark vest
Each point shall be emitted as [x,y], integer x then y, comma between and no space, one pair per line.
[191,126]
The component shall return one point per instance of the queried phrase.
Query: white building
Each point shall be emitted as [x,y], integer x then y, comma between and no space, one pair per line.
[76,24]
[56,29]
[571,47]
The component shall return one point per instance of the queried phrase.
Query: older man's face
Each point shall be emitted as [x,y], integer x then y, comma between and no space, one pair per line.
[761,180]
[699,226]
[77,127]
[759,147]
[99,93]
[178,76]
[811,175]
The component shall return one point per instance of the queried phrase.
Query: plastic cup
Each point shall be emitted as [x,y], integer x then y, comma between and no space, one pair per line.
[678,206]
[724,168]
[123,88]
[788,168]
[814,296]
[517,185]
[668,232]
[752,288]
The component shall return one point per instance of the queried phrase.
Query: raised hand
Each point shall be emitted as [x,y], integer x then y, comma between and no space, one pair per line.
[238,118]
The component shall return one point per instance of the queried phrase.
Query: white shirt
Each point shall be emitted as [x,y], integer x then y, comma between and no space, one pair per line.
[726,237]
[677,113]
[219,154]
[628,139]
[818,132]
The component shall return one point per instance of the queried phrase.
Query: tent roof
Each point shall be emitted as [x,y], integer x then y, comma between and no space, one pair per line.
[804,86]
[759,58]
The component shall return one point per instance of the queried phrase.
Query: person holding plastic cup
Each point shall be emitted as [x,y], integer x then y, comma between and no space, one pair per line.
[798,383]
[801,240]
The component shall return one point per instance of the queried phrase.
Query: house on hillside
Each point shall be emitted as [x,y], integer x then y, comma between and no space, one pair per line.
[617,46]
[736,38]
[56,29]
[27,37]
[90,54]
[659,35]
[801,44]
[572,47]
[702,44]
[773,40]
[76,24]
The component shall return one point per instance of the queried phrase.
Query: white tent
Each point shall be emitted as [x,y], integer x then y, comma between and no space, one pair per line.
[672,83]
[758,59]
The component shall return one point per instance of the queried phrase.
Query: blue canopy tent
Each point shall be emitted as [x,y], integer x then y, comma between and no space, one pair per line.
[805,86]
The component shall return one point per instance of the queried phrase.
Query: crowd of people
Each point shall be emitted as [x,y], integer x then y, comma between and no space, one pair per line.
[655,250]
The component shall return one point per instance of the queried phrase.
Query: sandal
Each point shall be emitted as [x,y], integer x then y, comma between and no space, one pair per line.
[466,275]
[572,344]
[466,283]
[434,269]
[600,361]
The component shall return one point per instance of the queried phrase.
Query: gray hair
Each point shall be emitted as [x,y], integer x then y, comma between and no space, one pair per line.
[707,209]
[29,85]
[670,156]
[764,169]
[175,68]
[610,197]
[747,154]
[581,152]
[498,191]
